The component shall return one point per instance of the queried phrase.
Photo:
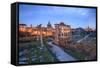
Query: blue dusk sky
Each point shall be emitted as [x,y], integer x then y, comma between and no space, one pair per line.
[74,16]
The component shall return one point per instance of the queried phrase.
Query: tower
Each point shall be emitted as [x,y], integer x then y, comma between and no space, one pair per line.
[49,24]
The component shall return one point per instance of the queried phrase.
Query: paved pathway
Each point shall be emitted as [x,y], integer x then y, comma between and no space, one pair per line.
[83,38]
[60,54]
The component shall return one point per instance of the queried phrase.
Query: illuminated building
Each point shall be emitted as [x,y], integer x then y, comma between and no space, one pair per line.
[22,27]
[62,34]
[35,31]
[49,30]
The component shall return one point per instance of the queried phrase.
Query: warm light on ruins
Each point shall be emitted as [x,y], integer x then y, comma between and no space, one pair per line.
[22,29]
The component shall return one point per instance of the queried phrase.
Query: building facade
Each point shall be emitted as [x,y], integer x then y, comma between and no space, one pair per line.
[36,31]
[62,34]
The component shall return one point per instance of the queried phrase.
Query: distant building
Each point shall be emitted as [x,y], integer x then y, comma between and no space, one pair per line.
[49,29]
[79,31]
[36,31]
[29,29]
[88,29]
[62,34]
[22,27]
[49,25]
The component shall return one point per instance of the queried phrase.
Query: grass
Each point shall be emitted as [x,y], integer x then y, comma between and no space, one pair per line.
[33,49]
[78,55]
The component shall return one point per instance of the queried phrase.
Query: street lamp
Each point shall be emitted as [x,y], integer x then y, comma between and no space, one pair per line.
[37,32]
[41,38]
[41,57]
